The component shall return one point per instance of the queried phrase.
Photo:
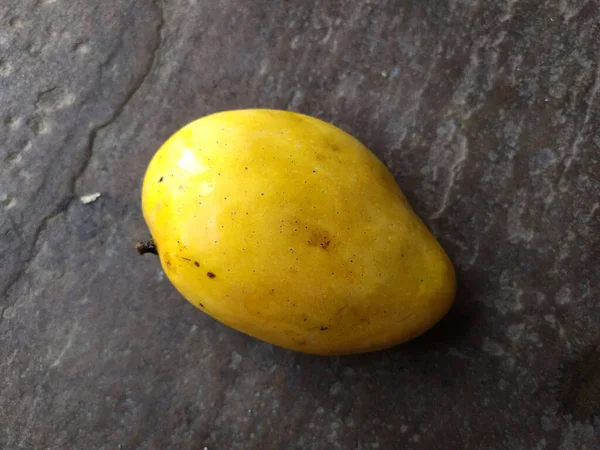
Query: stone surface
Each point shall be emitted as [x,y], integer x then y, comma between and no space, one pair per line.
[486,111]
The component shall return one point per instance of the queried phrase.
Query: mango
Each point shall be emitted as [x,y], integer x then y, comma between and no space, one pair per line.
[288,229]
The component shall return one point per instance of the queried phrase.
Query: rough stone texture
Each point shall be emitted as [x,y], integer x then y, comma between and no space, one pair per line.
[487,112]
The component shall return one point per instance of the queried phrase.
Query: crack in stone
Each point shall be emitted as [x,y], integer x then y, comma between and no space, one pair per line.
[64,205]
[455,170]
[574,153]
[68,344]
[121,107]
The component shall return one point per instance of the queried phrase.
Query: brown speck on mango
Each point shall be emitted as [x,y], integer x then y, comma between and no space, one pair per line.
[210,275]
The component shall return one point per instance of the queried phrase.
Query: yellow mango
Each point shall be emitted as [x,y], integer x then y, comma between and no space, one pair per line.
[288,229]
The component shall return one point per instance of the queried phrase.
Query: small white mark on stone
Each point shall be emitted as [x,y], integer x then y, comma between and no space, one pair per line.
[296,100]
[518,231]
[551,319]
[54,99]
[83,48]
[336,388]
[16,23]
[236,359]
[39,125]
[492,156]
[491,347]
[11,204]
[15,158]
[563,296]
[513,332]
[295,42]
[403,428]
[9,313]
[13,122]
[10,359]
[89,198]
[535,339]
[328,35]
[26,145]
[5,68]
[67,346]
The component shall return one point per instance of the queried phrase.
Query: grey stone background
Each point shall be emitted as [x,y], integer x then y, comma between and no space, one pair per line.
[486,111]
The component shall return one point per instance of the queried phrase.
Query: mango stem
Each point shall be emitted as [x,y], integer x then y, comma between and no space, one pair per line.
[147,247]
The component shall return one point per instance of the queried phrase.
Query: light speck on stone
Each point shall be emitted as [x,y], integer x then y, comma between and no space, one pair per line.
[513,332]
[336,388]
[236,360]
[493,348]
[89,198]
[563,296]
[551,319]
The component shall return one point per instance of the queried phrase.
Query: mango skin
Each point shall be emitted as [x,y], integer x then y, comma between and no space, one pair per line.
[288,229]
